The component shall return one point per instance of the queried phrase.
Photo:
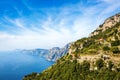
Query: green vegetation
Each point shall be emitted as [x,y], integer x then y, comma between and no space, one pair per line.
[115,49]
[115,43]
[72,70]
[99,64]
[106,48]
[107,41]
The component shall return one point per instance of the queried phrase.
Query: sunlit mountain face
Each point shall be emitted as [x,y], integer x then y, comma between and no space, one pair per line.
[47,23]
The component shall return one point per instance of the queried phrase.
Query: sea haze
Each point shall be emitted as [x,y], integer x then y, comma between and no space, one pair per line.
[13,66]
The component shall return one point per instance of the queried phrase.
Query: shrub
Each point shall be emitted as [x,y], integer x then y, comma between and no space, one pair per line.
[115,49]
[70,57]
[106,48]
[115,43]
[110,64]
[85,66]
[99,63]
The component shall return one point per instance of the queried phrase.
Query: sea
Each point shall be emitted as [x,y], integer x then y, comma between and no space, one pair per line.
[14,66]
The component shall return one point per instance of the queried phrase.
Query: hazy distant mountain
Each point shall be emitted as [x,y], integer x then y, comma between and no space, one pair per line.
[50,54]
[34,52]
[55,53]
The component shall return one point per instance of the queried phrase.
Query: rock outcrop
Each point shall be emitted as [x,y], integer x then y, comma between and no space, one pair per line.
[108,23]
[56,53]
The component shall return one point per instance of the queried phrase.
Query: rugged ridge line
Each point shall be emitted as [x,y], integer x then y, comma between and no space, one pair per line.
[50,54]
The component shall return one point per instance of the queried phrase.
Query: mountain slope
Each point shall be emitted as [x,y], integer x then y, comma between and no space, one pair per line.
[56,52]
[96,57]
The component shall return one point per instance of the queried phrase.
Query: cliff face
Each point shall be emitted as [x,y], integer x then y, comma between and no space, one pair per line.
[108,23]
[56,53]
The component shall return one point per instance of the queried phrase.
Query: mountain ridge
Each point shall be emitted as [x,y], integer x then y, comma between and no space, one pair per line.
[52,54]
[92,58]
[108,23]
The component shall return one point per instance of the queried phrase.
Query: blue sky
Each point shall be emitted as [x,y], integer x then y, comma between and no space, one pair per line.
[29,24]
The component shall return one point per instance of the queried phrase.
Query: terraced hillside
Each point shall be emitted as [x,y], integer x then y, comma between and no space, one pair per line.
[96,57]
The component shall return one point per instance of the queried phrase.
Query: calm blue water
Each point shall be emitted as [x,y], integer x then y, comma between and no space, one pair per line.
[13,66]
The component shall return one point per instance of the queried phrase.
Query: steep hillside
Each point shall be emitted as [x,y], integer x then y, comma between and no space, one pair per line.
[96,57]
[104,41]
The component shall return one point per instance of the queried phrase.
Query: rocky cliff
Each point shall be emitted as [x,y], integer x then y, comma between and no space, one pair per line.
[108,23]
[56,52]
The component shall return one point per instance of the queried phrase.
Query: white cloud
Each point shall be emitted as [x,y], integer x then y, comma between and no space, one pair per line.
[110,1]
[112,5]
[71,23]
[16,22]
